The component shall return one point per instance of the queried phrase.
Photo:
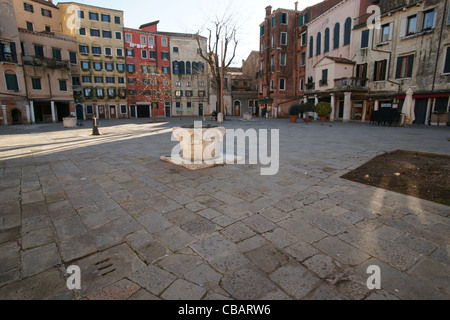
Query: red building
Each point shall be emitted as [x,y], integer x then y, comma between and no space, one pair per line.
[148,71]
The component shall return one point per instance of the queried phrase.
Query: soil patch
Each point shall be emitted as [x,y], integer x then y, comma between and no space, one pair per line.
[422,175]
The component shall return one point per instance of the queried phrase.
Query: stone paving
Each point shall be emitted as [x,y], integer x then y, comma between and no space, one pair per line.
[140,228]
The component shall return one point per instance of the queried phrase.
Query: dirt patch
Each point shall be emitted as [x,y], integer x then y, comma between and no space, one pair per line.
[422,175]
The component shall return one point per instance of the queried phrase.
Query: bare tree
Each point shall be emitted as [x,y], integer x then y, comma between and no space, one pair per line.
[222,31]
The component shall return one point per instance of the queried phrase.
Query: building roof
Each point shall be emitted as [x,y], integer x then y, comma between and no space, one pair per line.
[180,35]
[149,24]
[45,2]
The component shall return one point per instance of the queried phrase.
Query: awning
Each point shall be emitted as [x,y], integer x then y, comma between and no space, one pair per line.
[425,95]
[266,100]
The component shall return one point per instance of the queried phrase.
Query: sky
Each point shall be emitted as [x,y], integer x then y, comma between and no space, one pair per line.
[190,16]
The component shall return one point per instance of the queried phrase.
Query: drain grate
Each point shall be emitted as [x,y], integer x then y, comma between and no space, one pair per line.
[105,267]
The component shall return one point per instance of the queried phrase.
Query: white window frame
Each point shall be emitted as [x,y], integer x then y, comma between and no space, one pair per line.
[144,38]
[142,54]
[151,40]
[304,37]
[128,37]
[117,52]
[281,39]
[108,55]
[115,35]
[284,84]
[281,59]
[164,42]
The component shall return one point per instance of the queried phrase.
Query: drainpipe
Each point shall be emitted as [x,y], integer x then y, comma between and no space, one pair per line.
[437,57]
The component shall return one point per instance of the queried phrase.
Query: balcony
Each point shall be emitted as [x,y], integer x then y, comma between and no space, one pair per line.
[310,86]
[351,83]
[8,57]
[46,62]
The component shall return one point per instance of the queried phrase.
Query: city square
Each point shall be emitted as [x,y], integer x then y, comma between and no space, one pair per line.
[144,229]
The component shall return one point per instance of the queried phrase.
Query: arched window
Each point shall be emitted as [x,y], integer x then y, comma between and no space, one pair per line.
[188,67]
[326,47]
[311,47]
[201,68]
[337,32]
[181,67]
[347,31]
[175,67]
[319,44]
[11,81]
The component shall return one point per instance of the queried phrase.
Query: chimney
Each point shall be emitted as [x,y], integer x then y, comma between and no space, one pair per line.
[296,5]
[268,11]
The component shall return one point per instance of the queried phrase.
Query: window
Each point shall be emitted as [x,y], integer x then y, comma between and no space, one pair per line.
[57,54]
[361,72]
[117,20]
[300,21]
[302,84]
[143,39]
[319,44]
[93,16]
[386,33]
[82,31]
[365,38]
[152,54]
[164,42]
[119,52]
[98,79]
[8,51]
[30,26]
[108,51]
[411,25]
[131,68]
[46,13]
[96,51]
[11,81]
[76,81]
[302,59]
[311,47]
[120,67]
[120,79]
[128,37]
[283,59]
[87,92]
[337,32]
[165,56]
[441,105]
[86,79]
[81,14]
[85,65]
[62,85]
[107,34]
[144,54]
[178,84]
[130,52]
[36,83]
[448,16]
[189,93]
[283,18]
[111,92]
[89,109]
[324,80]
[261,30]
[303,39]
[95,32]
[151,40]
[48,29]
[38,50]
[282,84]
[273,42]
[118,35]
[100,93]
[97,65]
[106,18]
[271,85]
[189,104]
[380,70]
[84,49]
[28,7]
[123,109]
[188,67]
[274,21]
[109,66]
[404,67]
[326,44]
[272,63]
[347,31]
[178,93]
[165,70]
[284,38]
[447,61]
[429,20]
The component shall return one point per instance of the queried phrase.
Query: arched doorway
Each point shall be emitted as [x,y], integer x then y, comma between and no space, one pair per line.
[16,116]
[79,111]
[237,108]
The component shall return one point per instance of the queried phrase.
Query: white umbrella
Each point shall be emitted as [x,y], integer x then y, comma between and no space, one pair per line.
[408,107]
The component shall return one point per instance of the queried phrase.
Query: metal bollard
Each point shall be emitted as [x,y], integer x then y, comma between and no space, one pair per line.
[94,127]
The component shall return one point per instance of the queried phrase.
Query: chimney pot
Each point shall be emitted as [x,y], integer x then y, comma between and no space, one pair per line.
[268,11]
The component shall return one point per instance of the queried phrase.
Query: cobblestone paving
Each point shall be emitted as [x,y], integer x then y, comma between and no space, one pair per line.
[141,228]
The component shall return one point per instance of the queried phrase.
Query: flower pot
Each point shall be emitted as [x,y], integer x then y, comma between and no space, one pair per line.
[293,119]
[307,120]
[323,118]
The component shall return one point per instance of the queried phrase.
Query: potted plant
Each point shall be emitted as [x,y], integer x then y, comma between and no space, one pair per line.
[294,112]
[323,109]
[305,109]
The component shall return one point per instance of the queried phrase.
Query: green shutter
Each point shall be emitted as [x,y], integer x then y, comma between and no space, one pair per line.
[410,66]
[300,20]
[399,68]
[307,17]
[11,82]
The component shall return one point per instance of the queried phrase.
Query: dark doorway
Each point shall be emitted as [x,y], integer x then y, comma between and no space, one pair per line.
[133,111]
[62,110]
[341,109]
[420,111]
[79,110]
[200,109]
[16,116]
[143,111]
[42,112]
[167,110]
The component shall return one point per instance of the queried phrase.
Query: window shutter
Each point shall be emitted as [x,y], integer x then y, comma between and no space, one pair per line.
[447,61]
[399,67]
[410,66]
[434,19]
[13,51]
[300,20]
[403,27]
[375,71]
[391,30]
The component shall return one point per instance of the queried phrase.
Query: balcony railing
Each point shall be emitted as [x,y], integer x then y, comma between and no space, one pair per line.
[8,57]
[351,82]
[310,86]
[46,62]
